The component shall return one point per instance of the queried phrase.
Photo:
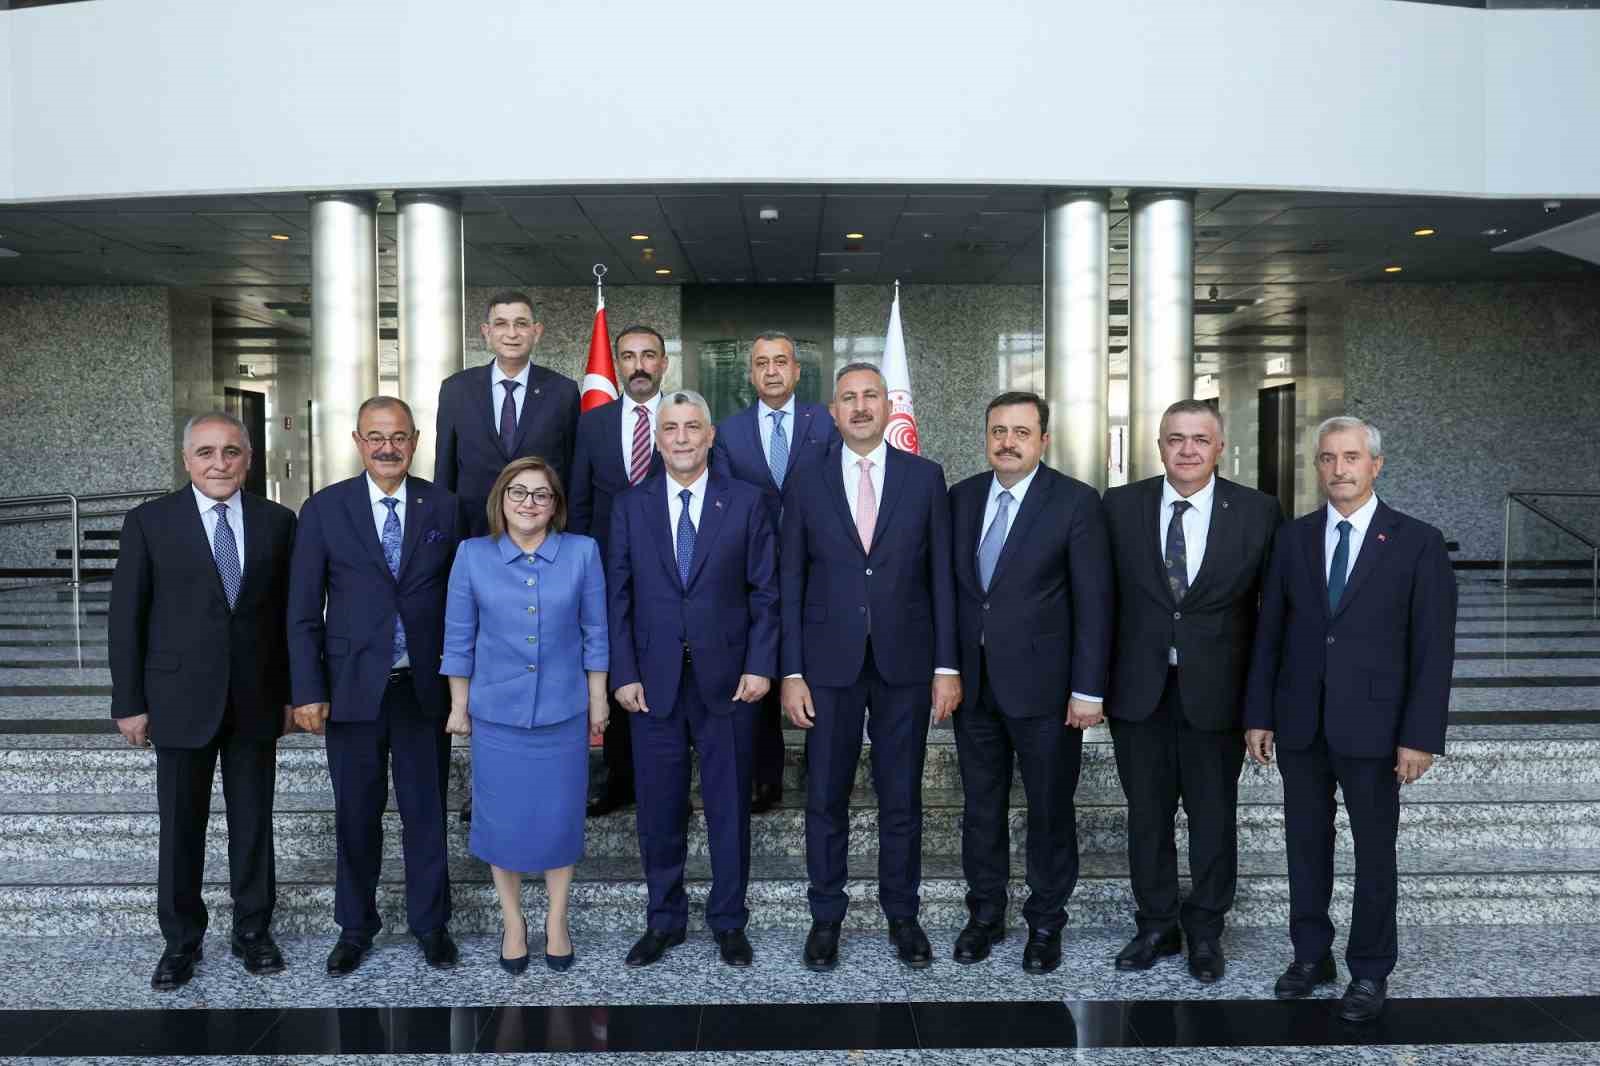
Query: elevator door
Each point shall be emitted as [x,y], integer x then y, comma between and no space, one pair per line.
[251,409]
[1275,474]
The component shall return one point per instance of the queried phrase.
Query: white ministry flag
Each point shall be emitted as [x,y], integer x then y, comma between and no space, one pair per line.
[902,430]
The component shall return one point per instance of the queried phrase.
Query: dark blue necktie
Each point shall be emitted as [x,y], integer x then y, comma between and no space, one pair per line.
[1177,554]
[391,555]
[1337,573]
[226,551]
[508,416]
[685,538]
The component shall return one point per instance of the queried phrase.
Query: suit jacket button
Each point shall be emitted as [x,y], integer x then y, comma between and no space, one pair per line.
[869,571]
[532,667]
[1330,639]
[1177,616]
[985,605]
[861,610]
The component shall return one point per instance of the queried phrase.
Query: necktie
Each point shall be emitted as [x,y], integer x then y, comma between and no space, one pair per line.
[226,551]
[639,463]
[866,505]
[994,540]
[778,449]
[391,555]
[508,416]
[1337,573]
[685,538]
[1177,553]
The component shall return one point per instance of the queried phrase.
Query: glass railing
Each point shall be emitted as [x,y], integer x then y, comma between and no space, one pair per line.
[1552,538]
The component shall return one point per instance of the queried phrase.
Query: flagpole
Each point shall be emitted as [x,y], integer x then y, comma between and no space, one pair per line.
[600,286]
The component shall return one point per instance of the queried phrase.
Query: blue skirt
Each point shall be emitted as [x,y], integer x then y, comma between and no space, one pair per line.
[529,793]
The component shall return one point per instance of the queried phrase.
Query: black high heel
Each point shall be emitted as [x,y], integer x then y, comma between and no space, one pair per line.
[558,963]
[517,965]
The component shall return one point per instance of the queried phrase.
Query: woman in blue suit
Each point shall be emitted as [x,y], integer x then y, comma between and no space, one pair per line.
[525,622]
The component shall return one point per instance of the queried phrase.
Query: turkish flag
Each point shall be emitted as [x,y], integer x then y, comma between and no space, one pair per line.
[599,377]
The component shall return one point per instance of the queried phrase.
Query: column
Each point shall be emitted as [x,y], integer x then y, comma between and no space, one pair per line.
[1076,272]
[1160,318]
[432,346]
[344,327]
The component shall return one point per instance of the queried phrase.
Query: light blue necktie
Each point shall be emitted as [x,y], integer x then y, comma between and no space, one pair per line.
[1341,563]
[226,551]
[993,541]
[391,555]
[778,449]
[685,538]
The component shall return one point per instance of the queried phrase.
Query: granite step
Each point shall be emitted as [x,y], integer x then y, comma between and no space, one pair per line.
[1495,887]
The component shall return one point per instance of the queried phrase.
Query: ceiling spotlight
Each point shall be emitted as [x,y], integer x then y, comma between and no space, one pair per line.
[663,271]
[1495,231]
[855,236]
[927,236]
[638,236]
[1392,269]
[1425,231]
[278,236]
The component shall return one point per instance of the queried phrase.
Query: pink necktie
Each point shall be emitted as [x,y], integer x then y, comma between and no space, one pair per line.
[866,505]
[639,464]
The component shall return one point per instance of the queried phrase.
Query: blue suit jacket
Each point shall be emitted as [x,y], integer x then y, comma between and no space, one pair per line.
[728,612]
[738,452]
[598,473]
[1376,673]
[834,593]
[470,453]
[1046,620]
[343,601]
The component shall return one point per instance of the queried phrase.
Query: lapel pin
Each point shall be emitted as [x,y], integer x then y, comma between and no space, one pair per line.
[536,392]
[718,505]
[1383,537]
[1224,505]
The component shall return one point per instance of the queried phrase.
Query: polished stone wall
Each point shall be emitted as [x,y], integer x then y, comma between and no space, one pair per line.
[1478,389]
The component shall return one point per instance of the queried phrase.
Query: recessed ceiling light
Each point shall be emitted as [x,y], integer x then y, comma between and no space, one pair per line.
[855,236]
[278,236]
[1391,270]
[663,270]
[1494,231]
[927,236]
[1425,231]
[638,236]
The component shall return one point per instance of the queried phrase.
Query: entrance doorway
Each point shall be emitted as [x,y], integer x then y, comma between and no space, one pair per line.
[251,409]
[1275,454]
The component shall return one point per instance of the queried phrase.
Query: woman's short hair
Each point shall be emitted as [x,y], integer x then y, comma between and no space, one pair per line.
[496,503]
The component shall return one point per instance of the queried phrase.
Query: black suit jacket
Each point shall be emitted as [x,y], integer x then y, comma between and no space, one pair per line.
[738,452]
[1215,625]
[469,452]
[599,475]
[177,652]
[1375,674]
[1045,622]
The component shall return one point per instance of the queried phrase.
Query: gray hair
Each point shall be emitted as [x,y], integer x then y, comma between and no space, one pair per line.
[858,367]
[1340,423]
[689,397]
[775,335]
[1192,407]
[215,416]
[379,403]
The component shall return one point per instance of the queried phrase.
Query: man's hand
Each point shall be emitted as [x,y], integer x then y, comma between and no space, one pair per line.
[1410,764]
[288,720]
[1081,714]
[752,688]
[135,730]
[795,695]
[311,717]
[632,698]
[946,695]
[459,724]
[1258,742]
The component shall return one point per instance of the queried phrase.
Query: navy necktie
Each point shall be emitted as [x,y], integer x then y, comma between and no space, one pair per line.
[508,415]
[685,538]
[1177,553]
[226,551]
[391,555]
[1338,572]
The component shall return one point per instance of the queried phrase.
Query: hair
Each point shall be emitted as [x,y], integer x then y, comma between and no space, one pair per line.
[860,366]
[1012,399]
[509,296]
[216,416]
[661,344]
[775,335]
[688,396]
[497,495]
[378,403]
[1192,407]
[1339,423]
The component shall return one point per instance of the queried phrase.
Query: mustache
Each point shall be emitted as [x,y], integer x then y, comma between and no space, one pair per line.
[389,457]
[1012,452]
[639,375]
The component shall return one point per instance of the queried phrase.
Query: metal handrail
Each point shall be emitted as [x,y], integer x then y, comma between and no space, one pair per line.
[74,515]
[1521,497]
[99,497]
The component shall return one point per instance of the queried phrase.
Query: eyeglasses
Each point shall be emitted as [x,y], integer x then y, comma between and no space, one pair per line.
[518,494]
[378,440]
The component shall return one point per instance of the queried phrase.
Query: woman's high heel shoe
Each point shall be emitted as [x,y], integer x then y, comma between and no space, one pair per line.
[559,963]
[517,965]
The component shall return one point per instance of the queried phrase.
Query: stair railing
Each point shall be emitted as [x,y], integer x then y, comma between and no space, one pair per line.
[74,514]
[1525,499]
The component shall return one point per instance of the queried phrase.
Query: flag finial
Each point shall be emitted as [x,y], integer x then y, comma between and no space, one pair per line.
[599,286]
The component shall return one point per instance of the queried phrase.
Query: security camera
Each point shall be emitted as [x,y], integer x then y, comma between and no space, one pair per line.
[1550,206]
[769,215]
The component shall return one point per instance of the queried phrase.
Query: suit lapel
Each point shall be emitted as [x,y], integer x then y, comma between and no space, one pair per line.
[612,449]
[193,525]
[712,511]
[802,431]
[484,383]
[418,512]
[532,407]
[894,481]
[1150,504]
[1373,544]
[654,493]
[752,426]
[1222,522]
[1314,546]
[256,549]
[969,518]
[833,478]
[359,507]
[1037,499]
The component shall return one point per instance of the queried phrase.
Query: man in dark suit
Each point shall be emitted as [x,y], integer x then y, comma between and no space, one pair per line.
[198,669]
[1350,681]
[1033,596]
[764,445]
[693,583]
[1191,551]
[366,633]
[503,410]
[869,620]
[616,451]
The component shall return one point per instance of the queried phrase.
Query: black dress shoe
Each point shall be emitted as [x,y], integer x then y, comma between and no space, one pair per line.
[466,811]
[1042,953]
[438,949]
[975,940]
[911,944]
[520,963]
[822,946]
[1364,999]
[260,954]
[765,798]
[735,947]
[174,969]
[611,800]
[346,956]
[1207,963]
[1143,950]
[1301,977]
[650,947]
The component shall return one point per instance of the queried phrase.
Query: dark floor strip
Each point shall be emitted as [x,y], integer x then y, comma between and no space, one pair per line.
[1591,654]
[41,626]
[793,1027]
[56,726]
[1519,634]
[56,664]
[62,643]
[1547,681]
[54,690]
[1563,716]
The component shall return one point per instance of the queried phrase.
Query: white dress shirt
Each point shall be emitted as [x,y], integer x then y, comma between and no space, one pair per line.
[380,515]
[1358,532]
[208,517]
[852,473]
[651,406]
[1196,523]
[764,424]
[497,395]
[697,502]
